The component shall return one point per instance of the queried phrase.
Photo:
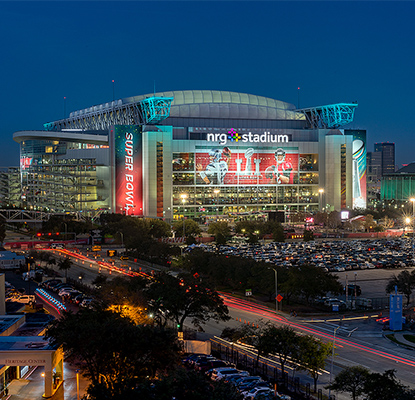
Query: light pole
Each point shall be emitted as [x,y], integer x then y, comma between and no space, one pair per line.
[66,229]
[122,239]
[276,288]
[184,197]
[77,384]
[332,359]
[407,222]
[217,191]
[413,223]
[320,196]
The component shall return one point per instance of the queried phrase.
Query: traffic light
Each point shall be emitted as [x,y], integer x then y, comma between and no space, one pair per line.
[38,234]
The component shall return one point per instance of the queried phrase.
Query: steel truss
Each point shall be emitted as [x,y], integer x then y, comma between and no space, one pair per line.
[149,111]
[31,216]
[331,116]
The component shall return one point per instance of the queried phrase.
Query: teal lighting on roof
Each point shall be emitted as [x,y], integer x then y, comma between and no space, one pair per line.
[148,111]
[155,109]
[331,116]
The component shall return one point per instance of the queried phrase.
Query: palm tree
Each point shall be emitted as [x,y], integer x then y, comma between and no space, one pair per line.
[64,265]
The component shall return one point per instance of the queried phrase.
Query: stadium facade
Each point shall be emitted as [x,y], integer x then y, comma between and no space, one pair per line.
[197,153]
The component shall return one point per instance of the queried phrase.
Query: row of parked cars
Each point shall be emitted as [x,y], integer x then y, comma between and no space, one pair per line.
[334,256]
[67,292]
[251,387]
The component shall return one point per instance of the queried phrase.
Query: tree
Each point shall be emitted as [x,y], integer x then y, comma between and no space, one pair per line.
[113,352]
[309,281]
[64,265]
[187,385]
[220,230]
[369,222]
[191,228]
[351,380]
[281,341]
[311,356]
[124,296]
[387,222]
[308,235]
[405,283]
[186,297]
[278,234]
[385,387]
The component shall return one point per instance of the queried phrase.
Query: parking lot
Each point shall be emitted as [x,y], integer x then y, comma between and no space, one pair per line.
[368,263]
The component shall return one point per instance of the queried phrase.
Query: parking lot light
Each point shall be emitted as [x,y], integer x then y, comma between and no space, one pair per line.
[276,288]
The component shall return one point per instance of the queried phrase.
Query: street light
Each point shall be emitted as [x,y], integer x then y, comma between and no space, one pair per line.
[77,384]
[184,197]
[276,288]
[217,191]
[320,195]
[413,222]
[407,222]
[122,239]
[332,359]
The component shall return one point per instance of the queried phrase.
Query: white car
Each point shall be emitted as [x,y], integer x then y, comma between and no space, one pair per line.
[223,372]
[255,392]
[26,299]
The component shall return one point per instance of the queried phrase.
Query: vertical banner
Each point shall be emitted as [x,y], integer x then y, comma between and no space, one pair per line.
[395,312]
[128,169]
[359,169]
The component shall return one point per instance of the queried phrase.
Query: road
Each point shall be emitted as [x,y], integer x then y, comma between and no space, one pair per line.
[366,346]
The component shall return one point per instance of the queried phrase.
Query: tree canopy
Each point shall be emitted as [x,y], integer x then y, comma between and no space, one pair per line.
[112,351]
[405,283]
[186,297]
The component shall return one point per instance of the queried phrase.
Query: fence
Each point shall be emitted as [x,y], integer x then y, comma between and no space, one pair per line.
[268,369]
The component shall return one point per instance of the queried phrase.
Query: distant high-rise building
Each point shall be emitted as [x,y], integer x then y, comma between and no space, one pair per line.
[379,163]
[387,151]
[10,188]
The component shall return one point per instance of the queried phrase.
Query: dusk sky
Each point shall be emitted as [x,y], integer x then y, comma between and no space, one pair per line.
[334,51]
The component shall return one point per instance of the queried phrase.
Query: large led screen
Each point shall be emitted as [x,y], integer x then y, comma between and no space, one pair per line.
[128,169]
[234,166]
[359,169]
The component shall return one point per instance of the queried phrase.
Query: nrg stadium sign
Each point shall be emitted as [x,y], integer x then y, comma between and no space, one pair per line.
[250,137]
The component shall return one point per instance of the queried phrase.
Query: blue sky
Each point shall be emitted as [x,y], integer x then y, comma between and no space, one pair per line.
[333,51]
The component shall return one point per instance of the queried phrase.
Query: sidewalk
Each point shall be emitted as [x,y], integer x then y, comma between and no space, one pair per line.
[31,387]
[399,336]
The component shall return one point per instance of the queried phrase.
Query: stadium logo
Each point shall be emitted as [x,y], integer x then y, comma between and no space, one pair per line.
[233,135]
[250,137]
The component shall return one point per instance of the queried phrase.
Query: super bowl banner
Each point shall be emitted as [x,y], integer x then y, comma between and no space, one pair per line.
[231,166]
[359,169]
[128,169]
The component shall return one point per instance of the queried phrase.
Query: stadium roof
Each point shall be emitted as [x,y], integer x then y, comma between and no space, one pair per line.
[224,104]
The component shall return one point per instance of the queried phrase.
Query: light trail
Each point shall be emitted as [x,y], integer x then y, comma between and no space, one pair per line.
[262,311]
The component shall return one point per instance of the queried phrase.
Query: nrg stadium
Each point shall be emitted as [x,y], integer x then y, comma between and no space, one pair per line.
[198,154]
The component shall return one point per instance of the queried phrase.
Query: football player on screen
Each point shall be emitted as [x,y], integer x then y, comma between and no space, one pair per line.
[217,168]
[280,173]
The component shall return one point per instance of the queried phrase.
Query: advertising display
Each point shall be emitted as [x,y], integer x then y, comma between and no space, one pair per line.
[128,169]
[359,169]
[249,166]
[395,312]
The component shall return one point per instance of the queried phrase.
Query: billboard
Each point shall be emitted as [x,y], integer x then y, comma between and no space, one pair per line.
[128,169]
[249,166]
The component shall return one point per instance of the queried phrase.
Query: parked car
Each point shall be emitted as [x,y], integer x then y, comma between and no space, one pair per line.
[220,373]
[26,299]
[256,392]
